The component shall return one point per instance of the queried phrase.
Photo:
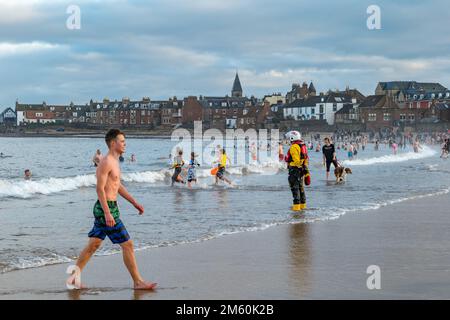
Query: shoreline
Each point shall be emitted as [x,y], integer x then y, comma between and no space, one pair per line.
[318,260]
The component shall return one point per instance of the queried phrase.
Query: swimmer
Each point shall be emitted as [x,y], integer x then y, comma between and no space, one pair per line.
[97,158]
[222,166]
[191,174]
[27,174]
[177,165]
[107,216]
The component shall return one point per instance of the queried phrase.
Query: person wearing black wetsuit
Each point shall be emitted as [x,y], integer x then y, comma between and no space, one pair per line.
[329,155]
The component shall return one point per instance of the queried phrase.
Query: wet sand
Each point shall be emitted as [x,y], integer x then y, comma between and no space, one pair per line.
[409,241]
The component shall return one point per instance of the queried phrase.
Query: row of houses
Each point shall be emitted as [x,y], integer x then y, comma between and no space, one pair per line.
[235,111]
[395,104]
[399,104]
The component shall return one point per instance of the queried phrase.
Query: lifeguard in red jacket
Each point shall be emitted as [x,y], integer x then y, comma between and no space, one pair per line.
[297,161]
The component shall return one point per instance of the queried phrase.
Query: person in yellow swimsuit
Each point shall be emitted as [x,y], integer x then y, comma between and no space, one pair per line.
[222,166]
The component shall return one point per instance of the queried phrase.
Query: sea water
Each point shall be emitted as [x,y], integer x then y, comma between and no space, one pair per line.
[46,220]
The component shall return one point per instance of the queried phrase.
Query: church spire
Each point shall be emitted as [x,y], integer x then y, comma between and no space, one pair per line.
[236,91]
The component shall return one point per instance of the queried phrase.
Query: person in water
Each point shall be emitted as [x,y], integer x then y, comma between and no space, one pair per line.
[350,151]
[416,145]
[177,165]
[133,158]
[318,147]
[191,174]
[445,148]
[220,175]
[394,147]
[280,152]
[329,155]
[107,221]
[297,163]
[27,174]
[97,157]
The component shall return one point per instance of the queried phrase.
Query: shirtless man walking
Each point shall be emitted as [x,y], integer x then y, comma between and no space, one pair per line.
[106,213]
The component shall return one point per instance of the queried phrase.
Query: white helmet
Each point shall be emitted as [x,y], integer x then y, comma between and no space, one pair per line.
[293,136]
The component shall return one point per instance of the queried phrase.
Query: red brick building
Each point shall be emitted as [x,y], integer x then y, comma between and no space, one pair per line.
[192,111]
[381,111]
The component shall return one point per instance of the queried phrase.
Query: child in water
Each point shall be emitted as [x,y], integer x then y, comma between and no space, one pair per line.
[222,165]
[177,165]
[191,175]
[394,147]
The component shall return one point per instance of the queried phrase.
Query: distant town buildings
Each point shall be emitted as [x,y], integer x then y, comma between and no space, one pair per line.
[300,92]
[394,104]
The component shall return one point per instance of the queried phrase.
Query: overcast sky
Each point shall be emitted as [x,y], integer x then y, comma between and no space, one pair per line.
[163,48]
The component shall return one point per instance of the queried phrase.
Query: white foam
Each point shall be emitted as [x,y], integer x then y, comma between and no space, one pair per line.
[376,206]
[26,189]
[29,188]
[400,157]
[145,177]
[35,262]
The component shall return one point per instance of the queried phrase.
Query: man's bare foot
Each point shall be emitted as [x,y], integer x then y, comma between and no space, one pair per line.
[144,285]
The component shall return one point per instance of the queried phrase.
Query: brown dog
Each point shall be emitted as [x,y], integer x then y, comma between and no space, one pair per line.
[341,173]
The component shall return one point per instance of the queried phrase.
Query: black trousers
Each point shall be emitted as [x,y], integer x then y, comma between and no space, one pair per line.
[296,184]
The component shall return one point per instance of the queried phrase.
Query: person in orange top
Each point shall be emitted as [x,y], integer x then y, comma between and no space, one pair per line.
[297,160]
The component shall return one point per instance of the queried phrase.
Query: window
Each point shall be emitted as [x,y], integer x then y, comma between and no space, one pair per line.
[411,117]
[386,116]
[372,117]
[142,112]
[313,111]
[402,117]
[321,108]
[334,107]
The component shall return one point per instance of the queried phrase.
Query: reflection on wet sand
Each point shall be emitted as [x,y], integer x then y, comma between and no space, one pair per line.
[141,294]
[300,258]
[221,199]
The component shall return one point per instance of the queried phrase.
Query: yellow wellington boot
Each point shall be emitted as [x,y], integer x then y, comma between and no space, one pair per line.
[302,206]
[296,207]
